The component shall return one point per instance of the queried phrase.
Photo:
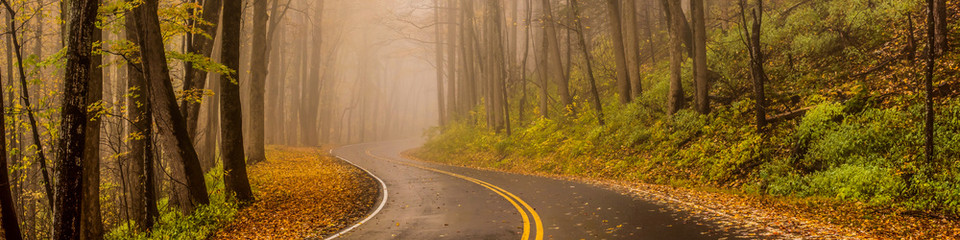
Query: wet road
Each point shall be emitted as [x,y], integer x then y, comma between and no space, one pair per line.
[432,201]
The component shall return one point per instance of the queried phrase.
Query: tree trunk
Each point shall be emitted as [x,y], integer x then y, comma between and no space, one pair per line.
[586,59]
[685,35]
[310,93]
[259,60]
[469,87]
[171,126]
[675,98]
[91,224]
[11,226]
[542,70]
[554,48]
[940,23]
[441,109]
[523,63]
[932,40]
[756,61]
[700,57]
[25,97]
[70,151]
[143,202]
[632,45]
[195,79]
[648,30]
[231,120]
[452,83]
[623,74]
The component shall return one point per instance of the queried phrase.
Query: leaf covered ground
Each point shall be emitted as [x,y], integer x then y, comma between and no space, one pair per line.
[302,193]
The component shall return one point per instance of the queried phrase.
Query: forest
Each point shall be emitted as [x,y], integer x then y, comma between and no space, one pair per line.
[146,119]
[840,103]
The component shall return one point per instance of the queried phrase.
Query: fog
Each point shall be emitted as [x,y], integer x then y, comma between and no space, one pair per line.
[372,79]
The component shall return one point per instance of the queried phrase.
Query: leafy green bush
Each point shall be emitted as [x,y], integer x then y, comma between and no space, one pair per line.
[172,224]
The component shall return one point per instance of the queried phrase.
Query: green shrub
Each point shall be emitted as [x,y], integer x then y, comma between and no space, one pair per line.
[203,222]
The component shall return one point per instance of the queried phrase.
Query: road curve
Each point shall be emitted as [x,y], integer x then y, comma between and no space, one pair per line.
[433,201]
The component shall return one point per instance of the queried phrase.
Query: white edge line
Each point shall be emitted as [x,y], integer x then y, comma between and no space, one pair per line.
[383,200]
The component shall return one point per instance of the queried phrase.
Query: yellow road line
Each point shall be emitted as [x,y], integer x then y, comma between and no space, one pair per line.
[500,191]
[536,217]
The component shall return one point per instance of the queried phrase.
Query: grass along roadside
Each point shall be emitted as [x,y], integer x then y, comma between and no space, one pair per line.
[302,193]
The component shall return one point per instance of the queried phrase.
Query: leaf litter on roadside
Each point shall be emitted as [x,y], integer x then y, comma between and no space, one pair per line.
[302,193]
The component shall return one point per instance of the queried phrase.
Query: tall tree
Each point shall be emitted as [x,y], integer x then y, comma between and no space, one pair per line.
[623,75]
[468,88]
[201,43]
[231,120]
[441,109]
[91,223]
[586,59]
[928,78]
[311,85]
[631,45]
[171,125]
[25,97]
[143,199]
[69,165]
[265,30]
[553,47]
[523,63]
[451,72]
[939,11]
[259,60]
[8,213]
[675,97]
[758,75]
[702,100]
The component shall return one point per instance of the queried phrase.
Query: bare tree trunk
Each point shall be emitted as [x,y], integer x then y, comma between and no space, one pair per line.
[623,74]
[70,151]
[700,57]
[452,81]
[91,224]
[586,59]
[632,45]
[648,30]
[756,61]
[932,40]
[172,127]
[675,99]
[11,226]
[259,60]
[554,48]
[940,26]
[195,79]
[523,63]
[231,120]
[543,69]
[143,202]
[469,89]
[441,109]
[310,94]
[278,74]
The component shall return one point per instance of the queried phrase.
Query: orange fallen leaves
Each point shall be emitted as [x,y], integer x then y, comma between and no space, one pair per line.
[302,193]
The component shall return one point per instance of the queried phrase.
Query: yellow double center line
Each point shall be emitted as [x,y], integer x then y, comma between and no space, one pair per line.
[518,203]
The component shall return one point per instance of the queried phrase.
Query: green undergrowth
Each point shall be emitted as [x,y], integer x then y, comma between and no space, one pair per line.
[172,224]
[845,152]
[860,141]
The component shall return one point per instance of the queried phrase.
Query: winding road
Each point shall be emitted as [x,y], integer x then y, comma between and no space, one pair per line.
[433,201]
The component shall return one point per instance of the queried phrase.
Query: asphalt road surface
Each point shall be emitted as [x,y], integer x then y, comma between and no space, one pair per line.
[433,201]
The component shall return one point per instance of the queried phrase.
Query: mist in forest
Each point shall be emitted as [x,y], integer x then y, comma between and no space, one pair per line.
[358,68]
